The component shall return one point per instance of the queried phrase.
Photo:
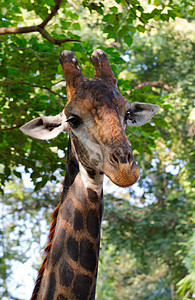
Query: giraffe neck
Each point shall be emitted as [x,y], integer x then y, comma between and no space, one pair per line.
[71,269]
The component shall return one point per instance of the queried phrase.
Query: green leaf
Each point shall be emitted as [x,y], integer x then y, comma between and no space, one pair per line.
[108,29]
[76,26]
[65,24]
[18,174]
[168,106]
[192,12]
[157,17]
[157,2]
[148,128]
[164,17]
[73,15]
[7,171]
[128,40]
[140,28]
[122,32]
[114,9]
[109,18]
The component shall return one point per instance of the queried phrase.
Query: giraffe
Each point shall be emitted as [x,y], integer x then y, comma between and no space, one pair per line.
[95,117]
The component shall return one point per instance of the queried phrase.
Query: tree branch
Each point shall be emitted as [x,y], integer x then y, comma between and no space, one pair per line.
[63,80]
[10,128]
[139,18]
[188,3]
[42,87]
[14,30]
[52,40]
[52,14]
[23,48]
[39,28]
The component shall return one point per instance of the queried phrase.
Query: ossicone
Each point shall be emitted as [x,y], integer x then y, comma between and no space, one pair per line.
[72,72]
[102,67]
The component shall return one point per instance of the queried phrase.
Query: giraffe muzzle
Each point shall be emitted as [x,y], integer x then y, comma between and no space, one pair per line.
[121,168]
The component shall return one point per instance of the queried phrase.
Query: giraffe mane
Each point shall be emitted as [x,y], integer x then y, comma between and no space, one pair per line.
[46,252]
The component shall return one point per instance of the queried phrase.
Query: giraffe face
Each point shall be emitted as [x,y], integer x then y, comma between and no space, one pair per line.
[96,118]
[96,115]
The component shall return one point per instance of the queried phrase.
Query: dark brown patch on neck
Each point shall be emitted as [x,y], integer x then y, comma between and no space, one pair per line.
[91,173]
[72,169]
[93,224]
[82,286]
[66,274]
[88,258]
[56,255]
[93,196]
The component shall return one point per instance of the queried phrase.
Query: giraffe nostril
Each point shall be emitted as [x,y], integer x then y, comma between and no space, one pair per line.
[115,158]
[129,157]
[124,157]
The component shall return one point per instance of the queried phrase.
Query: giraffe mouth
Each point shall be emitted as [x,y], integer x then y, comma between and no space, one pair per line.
[123,174]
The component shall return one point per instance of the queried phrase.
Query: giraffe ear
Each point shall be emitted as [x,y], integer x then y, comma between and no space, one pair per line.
[140,113]
[45,128]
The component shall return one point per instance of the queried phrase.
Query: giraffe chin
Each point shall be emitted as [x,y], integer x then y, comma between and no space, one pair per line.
[124,175]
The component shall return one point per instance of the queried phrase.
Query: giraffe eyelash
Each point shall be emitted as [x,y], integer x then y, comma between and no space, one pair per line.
[74,121]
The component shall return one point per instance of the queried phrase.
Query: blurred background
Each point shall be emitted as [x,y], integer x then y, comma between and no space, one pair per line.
[148,242]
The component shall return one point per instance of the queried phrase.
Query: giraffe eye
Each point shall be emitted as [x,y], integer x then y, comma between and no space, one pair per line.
[128,115]
[74,121]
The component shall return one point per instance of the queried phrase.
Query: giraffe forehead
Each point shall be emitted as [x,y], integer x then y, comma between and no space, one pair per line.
[97,98]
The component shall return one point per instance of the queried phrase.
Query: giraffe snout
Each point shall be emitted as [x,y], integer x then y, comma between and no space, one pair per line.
[121,167]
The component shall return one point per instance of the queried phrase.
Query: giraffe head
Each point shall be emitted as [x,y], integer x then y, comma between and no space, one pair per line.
[95,116]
